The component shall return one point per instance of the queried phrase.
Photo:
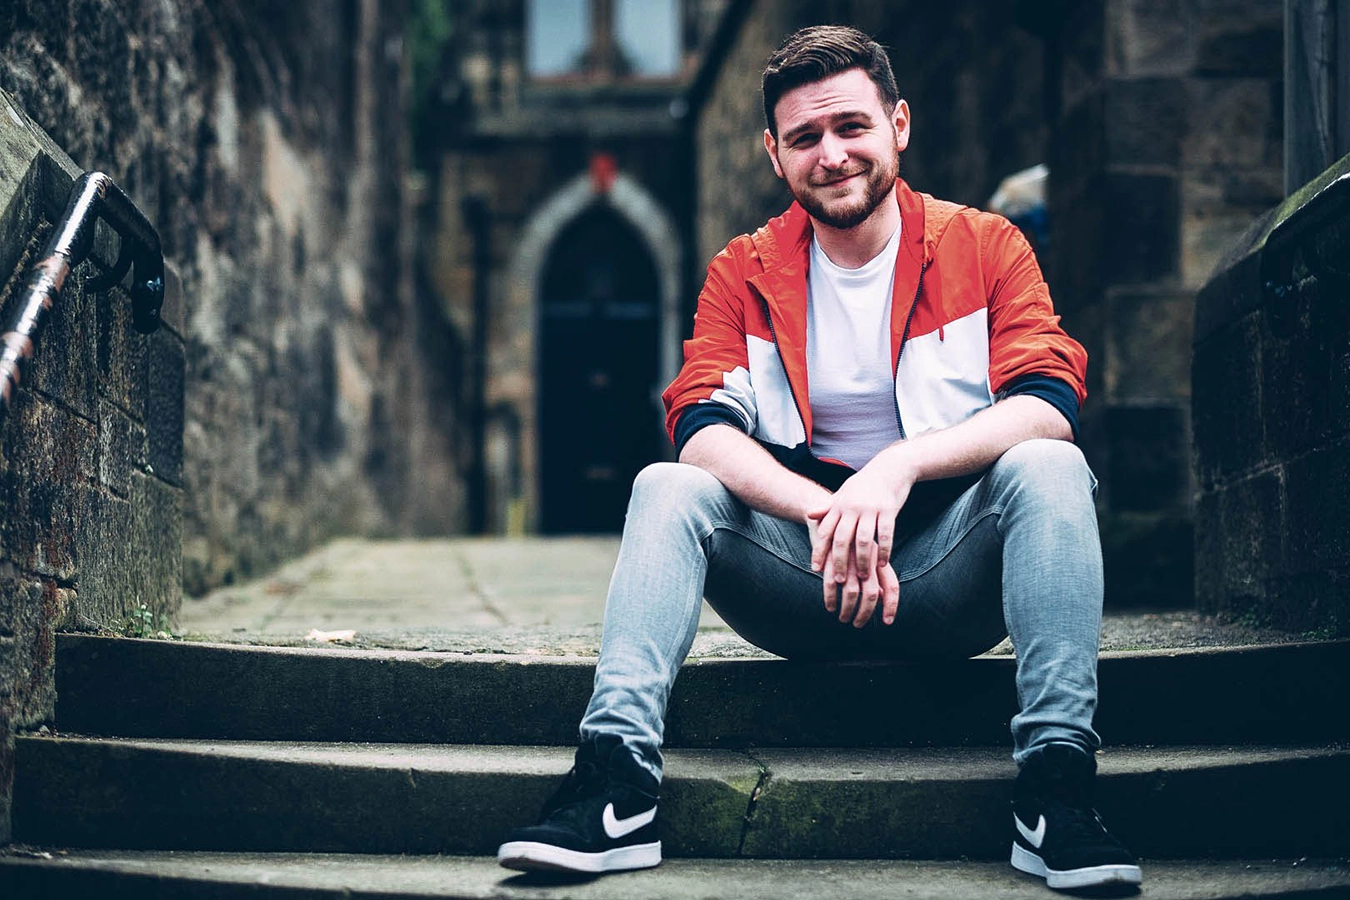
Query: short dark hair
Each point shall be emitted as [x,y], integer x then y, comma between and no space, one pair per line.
[815,53]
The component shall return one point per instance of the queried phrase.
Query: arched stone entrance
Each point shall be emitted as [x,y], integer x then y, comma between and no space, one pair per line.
[515,469]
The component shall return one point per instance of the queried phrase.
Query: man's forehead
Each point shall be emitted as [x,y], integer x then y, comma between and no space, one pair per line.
[845,93]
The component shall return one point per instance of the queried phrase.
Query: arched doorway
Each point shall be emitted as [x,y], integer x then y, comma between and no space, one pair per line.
[599,363]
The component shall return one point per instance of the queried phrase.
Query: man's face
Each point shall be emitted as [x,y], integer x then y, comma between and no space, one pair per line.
[837,148]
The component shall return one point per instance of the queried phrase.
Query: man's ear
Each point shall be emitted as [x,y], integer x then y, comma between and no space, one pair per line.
[771,148]
[900,119]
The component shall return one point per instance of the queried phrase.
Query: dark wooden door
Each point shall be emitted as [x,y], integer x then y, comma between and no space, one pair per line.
[598,361]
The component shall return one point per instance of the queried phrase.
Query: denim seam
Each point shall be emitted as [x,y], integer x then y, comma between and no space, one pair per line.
[965,532]
[703,542]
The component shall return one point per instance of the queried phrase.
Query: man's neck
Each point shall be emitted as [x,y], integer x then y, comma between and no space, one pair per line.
[851,248]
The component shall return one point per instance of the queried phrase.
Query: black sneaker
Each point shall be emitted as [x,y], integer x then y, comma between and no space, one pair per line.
[602,818]
[1059,836]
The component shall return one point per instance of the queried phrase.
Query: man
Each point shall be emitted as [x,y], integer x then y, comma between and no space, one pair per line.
[874,424]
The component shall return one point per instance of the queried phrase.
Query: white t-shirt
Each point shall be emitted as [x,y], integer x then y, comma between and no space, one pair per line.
[848,356]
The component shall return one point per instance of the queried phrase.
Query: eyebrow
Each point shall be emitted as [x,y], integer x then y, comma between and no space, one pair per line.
[810,124]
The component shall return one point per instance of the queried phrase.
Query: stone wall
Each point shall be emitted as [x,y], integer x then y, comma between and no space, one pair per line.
[266,143]
[1271,408]
[90,452]
[1166,146]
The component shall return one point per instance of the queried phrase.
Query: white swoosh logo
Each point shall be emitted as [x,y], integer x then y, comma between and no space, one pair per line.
[1033,837]
[617,828]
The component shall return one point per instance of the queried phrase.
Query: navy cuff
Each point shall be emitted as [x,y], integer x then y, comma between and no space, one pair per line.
[700,416]
[1055,391]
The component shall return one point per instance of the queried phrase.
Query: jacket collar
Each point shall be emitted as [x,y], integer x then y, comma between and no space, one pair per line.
[783,247]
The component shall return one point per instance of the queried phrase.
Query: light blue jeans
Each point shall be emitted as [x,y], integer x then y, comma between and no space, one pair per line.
[1015,554]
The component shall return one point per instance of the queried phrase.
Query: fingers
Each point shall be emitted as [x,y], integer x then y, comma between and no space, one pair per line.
[841,547]
[830,586]
[869,590]
[822,538]
[849,593]
[863,545]
[890,592]
[885,537]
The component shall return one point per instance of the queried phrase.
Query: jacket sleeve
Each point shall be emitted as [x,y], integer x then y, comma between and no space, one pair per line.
[1025,338]
[714,383]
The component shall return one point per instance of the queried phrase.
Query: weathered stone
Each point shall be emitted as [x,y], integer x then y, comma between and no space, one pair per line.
[164,392]
[1233,123]
[1226,402]
[1250,533]
[1318,495]
[1150,453]
[1142,233]
[1145,120]
[121,449]
[1148,342]
[1150,37]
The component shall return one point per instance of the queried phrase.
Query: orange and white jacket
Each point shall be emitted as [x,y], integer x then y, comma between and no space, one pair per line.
[971,321]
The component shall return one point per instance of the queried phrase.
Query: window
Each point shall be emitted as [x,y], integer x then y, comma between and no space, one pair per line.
[602,40]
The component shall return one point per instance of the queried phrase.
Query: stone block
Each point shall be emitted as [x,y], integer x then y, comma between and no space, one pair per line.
[50,452]
[1235,123]
[1245,40]
[1079,224]
[1148,346]
[174,312]
[1301,356]
[1145,119]
[1150,37]
[1251,538]
[1147,560]
[1317,603]
[121,449]
[1142,234]
[157,535]
[1317,496]
[121,353]
[1150,458]
[1226,401]
[1077,154]
[1210,594]
[164,399]
[1084,41]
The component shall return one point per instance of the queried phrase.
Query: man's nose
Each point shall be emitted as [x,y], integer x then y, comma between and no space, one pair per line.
[833,153]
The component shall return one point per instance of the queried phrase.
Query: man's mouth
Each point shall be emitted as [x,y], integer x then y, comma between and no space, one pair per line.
[840,179]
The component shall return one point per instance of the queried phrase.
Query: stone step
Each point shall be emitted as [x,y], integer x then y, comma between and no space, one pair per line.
[32,873]
[139,688]
[912,803]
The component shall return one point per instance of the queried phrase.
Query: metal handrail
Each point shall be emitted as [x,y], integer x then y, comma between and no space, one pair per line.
[94,196]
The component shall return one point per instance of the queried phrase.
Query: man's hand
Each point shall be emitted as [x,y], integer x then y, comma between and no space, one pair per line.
[852,538]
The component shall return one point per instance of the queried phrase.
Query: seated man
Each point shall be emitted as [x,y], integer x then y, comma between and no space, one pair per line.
[874,424]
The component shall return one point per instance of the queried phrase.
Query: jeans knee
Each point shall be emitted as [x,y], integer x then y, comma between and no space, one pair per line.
[1048,467]
[674,484]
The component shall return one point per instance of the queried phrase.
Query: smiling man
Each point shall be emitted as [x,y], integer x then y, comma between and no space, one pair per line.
[875,424]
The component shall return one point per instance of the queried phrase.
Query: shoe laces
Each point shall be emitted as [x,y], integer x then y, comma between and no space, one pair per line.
[1079,824]
[583,781]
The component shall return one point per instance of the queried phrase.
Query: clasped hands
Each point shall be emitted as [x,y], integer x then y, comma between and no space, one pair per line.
[852,533]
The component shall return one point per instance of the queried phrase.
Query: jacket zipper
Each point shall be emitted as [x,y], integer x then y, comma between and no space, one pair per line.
[768,317]
[904,338]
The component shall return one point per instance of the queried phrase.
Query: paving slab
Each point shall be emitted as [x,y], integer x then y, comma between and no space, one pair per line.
[925,803]
[33,872]
[522,595]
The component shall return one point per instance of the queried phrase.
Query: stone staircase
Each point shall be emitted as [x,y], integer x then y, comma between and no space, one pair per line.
[214,770]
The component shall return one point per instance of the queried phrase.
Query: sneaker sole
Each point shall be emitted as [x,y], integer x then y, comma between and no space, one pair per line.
[1090,876]
[531,856]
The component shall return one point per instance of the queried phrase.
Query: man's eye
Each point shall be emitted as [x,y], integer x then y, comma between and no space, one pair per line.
[805,140]
[851,128]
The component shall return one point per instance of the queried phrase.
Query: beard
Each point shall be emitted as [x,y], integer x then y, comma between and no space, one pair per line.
[880,178]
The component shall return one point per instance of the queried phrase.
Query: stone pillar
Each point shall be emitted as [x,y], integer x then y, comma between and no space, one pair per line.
[91,454]
[1166,145]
